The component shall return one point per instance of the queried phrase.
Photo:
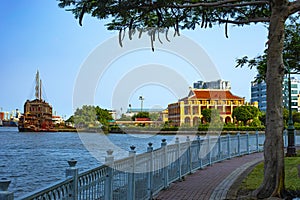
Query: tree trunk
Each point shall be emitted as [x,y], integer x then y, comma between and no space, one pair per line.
[273,183]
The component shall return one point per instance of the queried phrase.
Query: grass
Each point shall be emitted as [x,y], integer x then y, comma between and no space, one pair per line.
[292,180]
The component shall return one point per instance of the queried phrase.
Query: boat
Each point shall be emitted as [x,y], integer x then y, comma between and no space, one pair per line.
[37,115]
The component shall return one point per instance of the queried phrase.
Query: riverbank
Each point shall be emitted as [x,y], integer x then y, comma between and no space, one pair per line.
[181,132]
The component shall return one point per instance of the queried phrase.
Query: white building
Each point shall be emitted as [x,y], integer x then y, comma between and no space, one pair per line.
[218,84]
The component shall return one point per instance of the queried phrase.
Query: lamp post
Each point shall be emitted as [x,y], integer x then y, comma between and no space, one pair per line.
[129,108]
[291,150]
[141,98]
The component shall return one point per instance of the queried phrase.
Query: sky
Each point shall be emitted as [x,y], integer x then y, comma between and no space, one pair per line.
[86,65]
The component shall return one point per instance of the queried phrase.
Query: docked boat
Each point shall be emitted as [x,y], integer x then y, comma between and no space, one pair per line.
[37,115]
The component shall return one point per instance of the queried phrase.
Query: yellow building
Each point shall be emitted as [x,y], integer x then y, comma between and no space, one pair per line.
[188,110]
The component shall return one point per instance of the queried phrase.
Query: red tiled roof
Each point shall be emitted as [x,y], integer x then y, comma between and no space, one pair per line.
[214,94]
[141,119]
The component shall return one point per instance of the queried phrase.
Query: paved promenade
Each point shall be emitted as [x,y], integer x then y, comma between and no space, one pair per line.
[212,182]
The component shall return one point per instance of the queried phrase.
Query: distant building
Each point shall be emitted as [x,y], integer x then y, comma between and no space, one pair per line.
[188,110]
[294,93]
[259,94]
[219,84]
[113,114]
[57,120]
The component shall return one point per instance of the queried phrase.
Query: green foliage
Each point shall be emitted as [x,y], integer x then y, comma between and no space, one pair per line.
[255,123]
[124,118]
[211,115]
[141,115]
[71,119]
[296,117]
[231,127]
[285,116]
[262,118]
[206,113]
[154,116]
[156,17]
[245,113]
[103,116]
[91,116]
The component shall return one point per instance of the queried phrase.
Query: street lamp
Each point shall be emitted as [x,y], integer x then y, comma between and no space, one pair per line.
[291,150]
[129,108]
[141,98]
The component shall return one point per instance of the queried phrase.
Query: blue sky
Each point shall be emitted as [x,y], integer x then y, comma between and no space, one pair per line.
[39,35]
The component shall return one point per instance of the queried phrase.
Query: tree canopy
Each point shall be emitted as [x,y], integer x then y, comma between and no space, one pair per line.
[91,116]
[245,113]
[211,115]
[141,115]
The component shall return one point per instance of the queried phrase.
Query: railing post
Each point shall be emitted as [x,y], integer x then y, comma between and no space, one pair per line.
[248,143]
[150,171]
[108,187]
[4,193]
[219,148]
[228,146]
[131,175]
[285,138]
[72,171]
[257,144]
[199,152]
[178,158]
[239,144]
[165,163]
[189,154]
[209,150]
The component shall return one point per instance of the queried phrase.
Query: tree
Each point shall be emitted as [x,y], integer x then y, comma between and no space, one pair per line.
[158,16]
[211,115]
[141,115]
[85,116]
[245,113]
[206,113]
[124,118]
[71,119]
[91,116]
[103,116]
[296,117]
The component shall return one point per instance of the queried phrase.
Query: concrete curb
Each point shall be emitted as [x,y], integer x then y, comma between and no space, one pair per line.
[222,190]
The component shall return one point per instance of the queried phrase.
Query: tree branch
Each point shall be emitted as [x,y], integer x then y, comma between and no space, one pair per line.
[294,7]
[225,3]
[240,22]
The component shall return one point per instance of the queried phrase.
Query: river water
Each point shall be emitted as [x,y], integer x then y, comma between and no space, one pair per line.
[35,160]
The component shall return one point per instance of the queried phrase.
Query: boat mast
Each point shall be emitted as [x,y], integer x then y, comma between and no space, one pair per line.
[40,89]
[38,84]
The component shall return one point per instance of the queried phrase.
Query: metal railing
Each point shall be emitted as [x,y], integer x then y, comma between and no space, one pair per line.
[142,176]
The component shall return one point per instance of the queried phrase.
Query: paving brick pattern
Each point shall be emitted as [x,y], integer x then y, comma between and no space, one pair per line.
[209,183]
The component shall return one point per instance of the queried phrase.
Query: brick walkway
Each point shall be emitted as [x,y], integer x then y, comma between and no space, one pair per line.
[212,182]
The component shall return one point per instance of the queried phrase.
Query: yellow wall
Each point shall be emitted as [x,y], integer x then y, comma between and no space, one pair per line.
[189,110]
